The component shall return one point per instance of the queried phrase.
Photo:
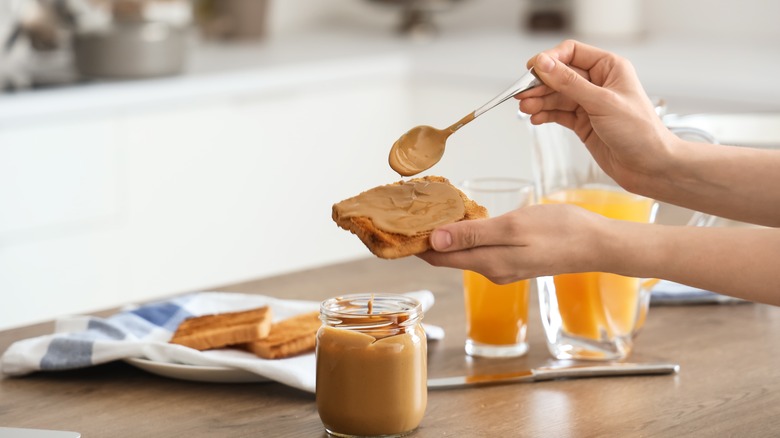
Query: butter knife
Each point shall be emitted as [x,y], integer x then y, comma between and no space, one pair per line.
[556,372]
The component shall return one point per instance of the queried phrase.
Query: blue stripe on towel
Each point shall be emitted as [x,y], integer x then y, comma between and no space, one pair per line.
[133,325]
[157,314]
[105,330]
[65,353]
[165,314]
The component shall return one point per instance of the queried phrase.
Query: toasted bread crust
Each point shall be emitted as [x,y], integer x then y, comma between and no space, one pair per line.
[290,337]
[223,329]
[389,245]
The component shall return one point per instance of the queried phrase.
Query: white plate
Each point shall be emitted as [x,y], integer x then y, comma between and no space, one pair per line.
[197,373]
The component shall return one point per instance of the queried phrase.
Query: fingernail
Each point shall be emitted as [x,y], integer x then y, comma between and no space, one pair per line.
[440,240]
[544,63]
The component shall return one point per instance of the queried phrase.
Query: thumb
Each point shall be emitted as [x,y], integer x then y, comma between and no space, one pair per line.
[465,234]
[563,79]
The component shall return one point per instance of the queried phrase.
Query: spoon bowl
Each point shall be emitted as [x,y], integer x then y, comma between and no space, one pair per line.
[423,146]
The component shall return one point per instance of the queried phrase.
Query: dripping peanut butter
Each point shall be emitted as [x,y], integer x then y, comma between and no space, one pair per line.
[406,208]
[371,367]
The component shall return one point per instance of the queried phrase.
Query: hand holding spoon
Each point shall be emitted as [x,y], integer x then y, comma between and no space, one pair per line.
[423,146]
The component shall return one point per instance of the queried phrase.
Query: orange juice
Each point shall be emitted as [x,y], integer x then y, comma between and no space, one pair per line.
[596,305]
[495,314]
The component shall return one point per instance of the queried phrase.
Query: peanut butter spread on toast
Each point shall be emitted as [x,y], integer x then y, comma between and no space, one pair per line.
[406,208]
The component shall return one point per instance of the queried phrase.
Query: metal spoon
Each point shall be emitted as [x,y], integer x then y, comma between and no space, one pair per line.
[423,146]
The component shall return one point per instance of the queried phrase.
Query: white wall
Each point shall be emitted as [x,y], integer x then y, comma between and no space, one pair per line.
[707,18]
[683,18]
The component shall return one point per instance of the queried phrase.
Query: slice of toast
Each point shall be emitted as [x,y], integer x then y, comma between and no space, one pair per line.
[223,329]
[289,337]
[388,245]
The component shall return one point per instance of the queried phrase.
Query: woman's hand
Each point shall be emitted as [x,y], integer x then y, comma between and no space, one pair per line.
[553,239]
[597,94]
[524,243]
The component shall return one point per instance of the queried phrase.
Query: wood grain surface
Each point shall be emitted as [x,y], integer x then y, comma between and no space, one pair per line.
[729,384]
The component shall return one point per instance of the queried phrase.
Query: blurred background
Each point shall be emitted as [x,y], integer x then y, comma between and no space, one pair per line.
[154,147]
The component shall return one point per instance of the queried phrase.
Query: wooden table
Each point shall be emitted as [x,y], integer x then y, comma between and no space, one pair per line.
[729,384]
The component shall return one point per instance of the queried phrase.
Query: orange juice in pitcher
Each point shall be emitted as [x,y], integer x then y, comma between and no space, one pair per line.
[591,315]
[597,305]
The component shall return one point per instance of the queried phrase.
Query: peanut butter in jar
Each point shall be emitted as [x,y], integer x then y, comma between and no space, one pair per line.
[371,365]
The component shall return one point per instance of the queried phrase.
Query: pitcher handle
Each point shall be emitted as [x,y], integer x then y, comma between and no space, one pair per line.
[693,134]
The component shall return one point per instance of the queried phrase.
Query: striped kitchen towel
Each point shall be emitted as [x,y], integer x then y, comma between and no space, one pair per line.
[143,332]
[669,293]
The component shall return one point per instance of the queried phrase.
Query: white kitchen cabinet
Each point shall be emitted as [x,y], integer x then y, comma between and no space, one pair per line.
[101,209]
[243,187]
[60,204]
[58,177]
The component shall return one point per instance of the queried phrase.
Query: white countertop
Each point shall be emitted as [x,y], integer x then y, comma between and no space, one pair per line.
[712,76]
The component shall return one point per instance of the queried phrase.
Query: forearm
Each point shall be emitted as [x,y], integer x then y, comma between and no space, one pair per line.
[733,182]
[740,262]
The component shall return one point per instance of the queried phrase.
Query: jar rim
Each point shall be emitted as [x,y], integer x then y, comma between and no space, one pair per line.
[385,306]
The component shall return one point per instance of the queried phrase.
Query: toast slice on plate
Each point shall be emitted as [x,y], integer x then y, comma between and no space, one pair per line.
[224,329]
[289,337]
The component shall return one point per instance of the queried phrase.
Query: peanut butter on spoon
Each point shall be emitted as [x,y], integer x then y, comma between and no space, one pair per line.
[423,146]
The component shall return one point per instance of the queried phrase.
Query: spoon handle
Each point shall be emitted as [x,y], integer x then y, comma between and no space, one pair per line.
[526,82]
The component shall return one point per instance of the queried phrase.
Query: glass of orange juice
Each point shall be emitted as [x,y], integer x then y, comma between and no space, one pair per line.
[496,315]
[590,315]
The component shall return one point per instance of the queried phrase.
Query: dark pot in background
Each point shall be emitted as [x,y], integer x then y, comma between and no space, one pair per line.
[131,50]
[234,19]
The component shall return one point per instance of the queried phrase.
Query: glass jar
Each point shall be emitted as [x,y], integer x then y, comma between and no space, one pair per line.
[371,365]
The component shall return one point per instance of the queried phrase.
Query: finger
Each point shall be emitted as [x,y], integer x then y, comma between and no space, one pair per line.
[490,261]
[568,82]
[533,105]
[459,259]
[540,91]
[567,119]
[471,234]
[543,90]
[574,53]
[548,99]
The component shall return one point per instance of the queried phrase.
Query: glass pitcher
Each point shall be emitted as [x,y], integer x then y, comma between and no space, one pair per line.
[592,315]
